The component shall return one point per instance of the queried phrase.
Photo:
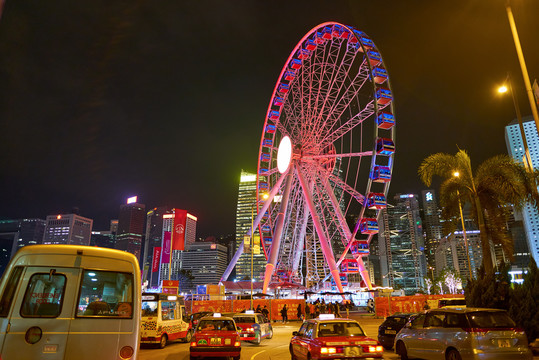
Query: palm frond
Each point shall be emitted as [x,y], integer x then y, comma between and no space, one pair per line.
[439,164]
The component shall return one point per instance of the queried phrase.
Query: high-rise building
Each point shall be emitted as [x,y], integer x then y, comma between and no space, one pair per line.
[70,229]
[245,211]
[154,239]
[401,245]
[451,254]
[515,149]
[206,261]
[14,234]
[179,232]
[131,227]
[432,227]
[104,239]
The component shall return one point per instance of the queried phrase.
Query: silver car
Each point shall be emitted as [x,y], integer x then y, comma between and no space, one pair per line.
[462,333]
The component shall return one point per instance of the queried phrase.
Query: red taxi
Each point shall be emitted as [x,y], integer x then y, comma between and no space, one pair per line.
[214,336]
[253,326]
[329,338]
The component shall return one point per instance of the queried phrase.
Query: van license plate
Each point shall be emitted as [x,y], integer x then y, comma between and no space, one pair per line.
[352,351]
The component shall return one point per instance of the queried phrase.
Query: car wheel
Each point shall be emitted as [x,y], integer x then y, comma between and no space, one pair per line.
[270,334]
[188,337]
[401,350]
[237,357]
[453,355]
[191,357]
[258,338]
[163,341]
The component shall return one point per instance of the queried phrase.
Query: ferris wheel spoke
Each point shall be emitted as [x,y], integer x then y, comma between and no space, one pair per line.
[365,113]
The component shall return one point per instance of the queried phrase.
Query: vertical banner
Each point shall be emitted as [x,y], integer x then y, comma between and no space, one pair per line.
[178,236]
[256,245]
[246,243]
[165,255]
[156,258]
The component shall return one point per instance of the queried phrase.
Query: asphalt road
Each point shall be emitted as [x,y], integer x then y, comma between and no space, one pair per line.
[272,349]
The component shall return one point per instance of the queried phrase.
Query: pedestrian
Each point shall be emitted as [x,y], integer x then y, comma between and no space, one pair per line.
[284,314]
[307,311]
[426,305]
[299,313]
[370,305]
[258,309]
[337,310]
[265,311]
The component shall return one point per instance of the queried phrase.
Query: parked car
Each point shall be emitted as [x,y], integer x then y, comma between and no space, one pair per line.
[329,338]
[253,326]
[215,335]
[390,327]
[462,333]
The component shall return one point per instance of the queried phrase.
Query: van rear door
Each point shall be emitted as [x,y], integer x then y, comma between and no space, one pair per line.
[41,313]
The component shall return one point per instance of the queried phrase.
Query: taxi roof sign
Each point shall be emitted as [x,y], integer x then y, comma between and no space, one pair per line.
[249,311]
[327,316]
[216,314]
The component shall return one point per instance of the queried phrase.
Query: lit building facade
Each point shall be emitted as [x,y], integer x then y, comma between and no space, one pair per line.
[401,245]
[206,261]
[179,232]
[244,217]
[451,254]
[14,234]
[70,229]
[515,149]
[432,226]
[131,227]
[153,242]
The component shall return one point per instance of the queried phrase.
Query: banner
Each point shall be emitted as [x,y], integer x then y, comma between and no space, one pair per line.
[178,236]
[156,257]
[165,255]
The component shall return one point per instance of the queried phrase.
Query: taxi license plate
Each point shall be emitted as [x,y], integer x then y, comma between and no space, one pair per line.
[215,341]
[391,331]
[352,351]
[504,343]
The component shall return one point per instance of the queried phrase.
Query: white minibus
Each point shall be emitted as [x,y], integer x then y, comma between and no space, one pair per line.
[70,302]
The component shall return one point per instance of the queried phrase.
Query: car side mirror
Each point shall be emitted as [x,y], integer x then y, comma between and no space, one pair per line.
[239,328]
[294,333]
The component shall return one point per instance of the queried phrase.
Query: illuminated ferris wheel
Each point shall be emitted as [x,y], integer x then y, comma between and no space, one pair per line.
[325,158]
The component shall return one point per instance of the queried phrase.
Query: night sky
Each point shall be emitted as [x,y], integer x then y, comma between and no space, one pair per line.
[101,100]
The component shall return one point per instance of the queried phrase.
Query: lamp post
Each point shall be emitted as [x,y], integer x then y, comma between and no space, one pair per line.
[457,174]
[503,89]
[252,241]
[523,68]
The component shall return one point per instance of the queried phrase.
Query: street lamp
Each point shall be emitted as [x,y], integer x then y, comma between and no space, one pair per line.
[503,89]
[457,174]
[523,68]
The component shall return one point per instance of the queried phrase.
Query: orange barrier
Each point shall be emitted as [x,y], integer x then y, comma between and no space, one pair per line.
[385,306]
[274,306]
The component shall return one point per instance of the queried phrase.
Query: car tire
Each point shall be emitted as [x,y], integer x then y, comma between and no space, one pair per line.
[270,334]
[191,357]
[237,357]
[188,337]
[401,350]
[163,341]
[258,338]
[453,355]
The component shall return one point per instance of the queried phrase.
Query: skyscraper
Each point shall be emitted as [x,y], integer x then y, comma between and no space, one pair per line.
[515,149]
[70,229]
[401,245]
[206,261]
[154,239]
[131,227]
[451,253]
[245,210]
[432,226]
[14,234]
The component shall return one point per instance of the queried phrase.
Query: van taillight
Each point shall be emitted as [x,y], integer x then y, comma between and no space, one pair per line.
[126,352]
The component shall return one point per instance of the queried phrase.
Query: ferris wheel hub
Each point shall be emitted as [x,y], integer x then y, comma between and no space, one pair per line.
[284,154]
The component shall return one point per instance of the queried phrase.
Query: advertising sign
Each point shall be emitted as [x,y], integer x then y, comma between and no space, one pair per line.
[178,236]
[165,256]
[156,257]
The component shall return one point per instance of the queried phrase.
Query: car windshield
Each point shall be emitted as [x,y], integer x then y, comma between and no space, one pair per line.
[339,329]
[149,308]
[490,319]
[453,302]
[397,320]
[216,325]
[244,319]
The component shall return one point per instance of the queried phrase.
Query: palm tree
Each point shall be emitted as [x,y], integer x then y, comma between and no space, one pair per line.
[498,184]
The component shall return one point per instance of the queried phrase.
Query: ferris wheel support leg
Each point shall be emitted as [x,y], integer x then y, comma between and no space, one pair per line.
[256,222]
[364,273]
[276,241]
[326,249]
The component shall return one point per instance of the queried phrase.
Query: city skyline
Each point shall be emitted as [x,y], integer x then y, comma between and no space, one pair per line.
[168,102]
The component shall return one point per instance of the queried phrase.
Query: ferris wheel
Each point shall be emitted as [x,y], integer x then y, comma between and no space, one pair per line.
[325,158]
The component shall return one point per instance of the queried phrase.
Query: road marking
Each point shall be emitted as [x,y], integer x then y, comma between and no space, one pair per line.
[252,357]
